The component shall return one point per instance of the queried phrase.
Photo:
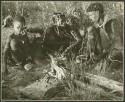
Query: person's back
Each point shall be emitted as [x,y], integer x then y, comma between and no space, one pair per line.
[114,28]
[59,35]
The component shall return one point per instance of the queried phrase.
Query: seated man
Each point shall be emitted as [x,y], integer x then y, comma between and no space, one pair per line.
[17,46]
[60,35]
[105,34]
[79,22]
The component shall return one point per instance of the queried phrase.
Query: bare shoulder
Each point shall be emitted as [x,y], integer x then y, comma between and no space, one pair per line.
[91,28]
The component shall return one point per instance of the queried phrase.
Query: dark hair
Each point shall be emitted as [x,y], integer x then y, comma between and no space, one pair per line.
[96,7]
[20,19]
[58,15]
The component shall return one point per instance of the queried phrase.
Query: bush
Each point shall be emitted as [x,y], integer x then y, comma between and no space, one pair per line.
[40,11]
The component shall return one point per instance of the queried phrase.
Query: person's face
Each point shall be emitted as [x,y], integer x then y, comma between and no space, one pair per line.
[76,14]
[60,21]
[18,26]
[94,15]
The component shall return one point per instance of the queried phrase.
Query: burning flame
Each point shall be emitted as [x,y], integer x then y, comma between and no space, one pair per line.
[59,71]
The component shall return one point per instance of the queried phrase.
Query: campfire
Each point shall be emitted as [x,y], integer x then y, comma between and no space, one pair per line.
[56,71]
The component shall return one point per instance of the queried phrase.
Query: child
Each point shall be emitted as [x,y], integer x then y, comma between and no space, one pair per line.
[17,45]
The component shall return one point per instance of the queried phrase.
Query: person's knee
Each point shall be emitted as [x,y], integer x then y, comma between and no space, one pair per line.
[117,55]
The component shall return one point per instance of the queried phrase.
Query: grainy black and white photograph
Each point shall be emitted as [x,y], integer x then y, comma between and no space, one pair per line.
[62,50]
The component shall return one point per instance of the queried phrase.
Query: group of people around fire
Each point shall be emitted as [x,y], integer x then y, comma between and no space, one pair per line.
[98,38]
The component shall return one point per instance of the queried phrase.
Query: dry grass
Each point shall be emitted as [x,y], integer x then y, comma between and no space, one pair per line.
[41,17]
[76,72]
